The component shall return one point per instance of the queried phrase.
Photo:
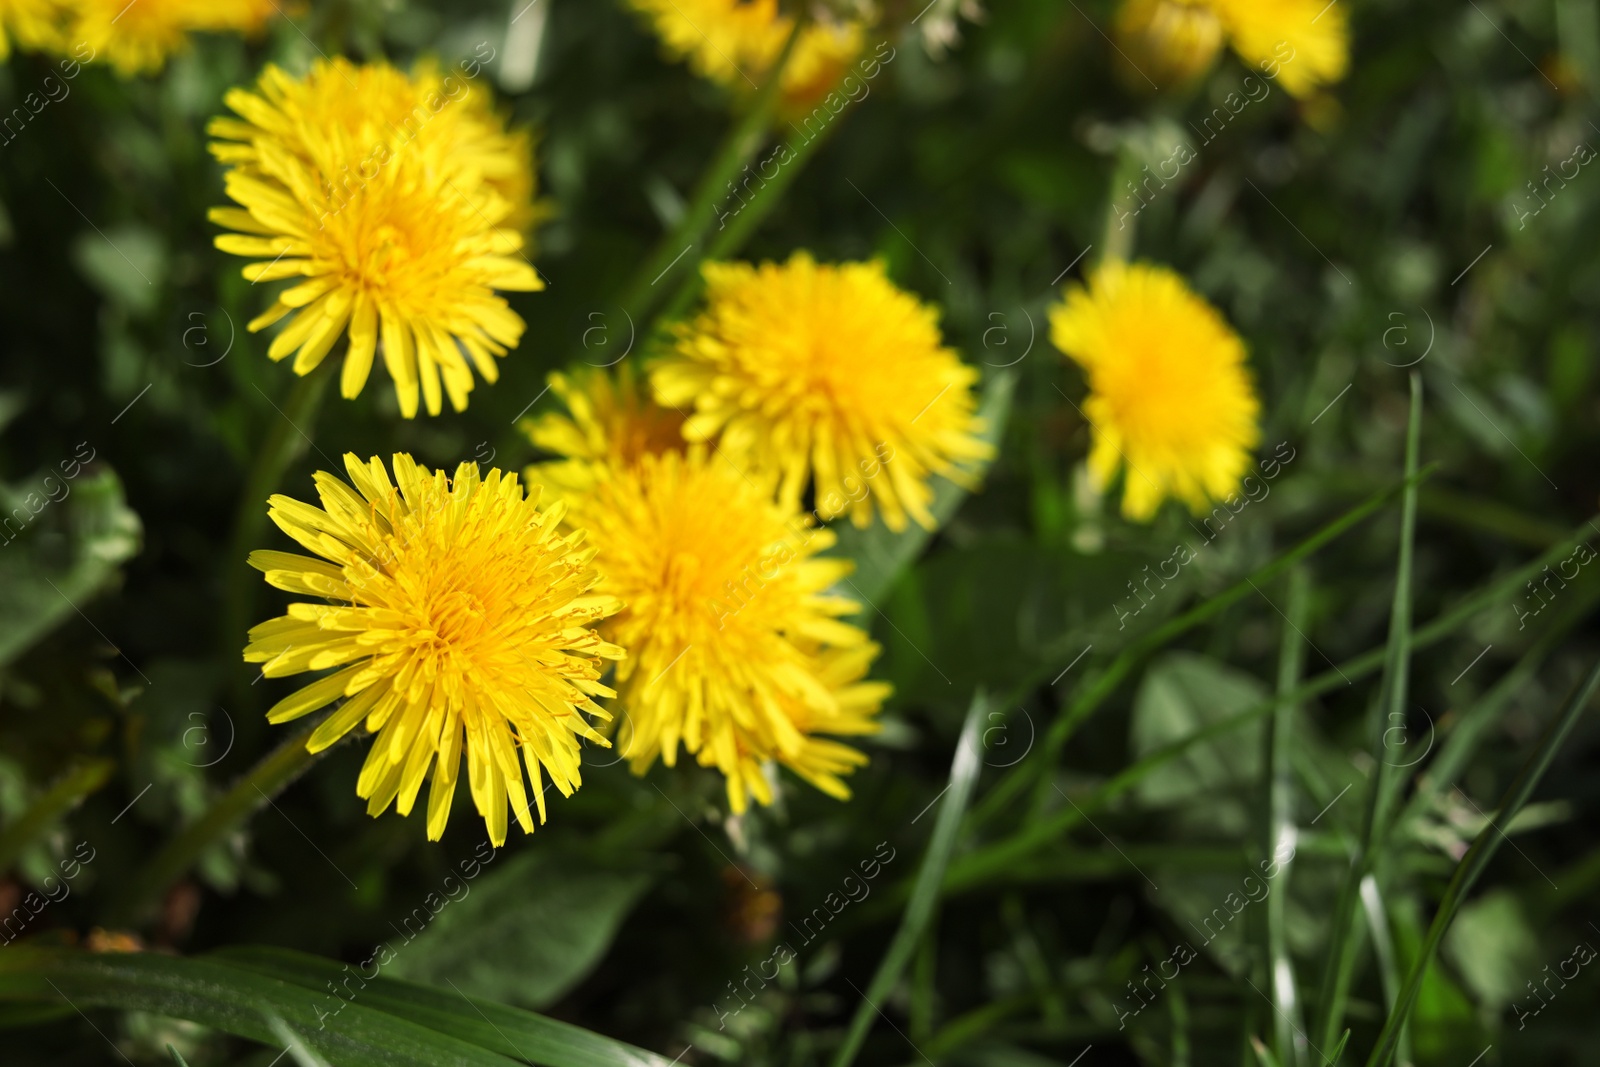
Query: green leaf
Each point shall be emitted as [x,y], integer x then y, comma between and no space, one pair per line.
[881,554]
[249,992]
[55,554]
[526,932]
[177,1057]
[1494,948]
[493,1026]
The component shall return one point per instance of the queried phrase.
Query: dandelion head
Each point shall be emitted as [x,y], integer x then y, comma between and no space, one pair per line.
[1169,397]
[735,42]
[31,24]
[1307,42]
[376,190]
[610,423]
[827,373]
[1170,41]
[461,620]
[139,37]
[738,650]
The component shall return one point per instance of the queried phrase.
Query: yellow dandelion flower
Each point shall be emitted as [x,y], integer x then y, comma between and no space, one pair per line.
[1169,41]
[459,618]
[1169,393]
[826,372]
[138,37]
[736,648]
[1304,44]
[735,42]
[1306,41]
[30,24]
[609,424]
[378,189]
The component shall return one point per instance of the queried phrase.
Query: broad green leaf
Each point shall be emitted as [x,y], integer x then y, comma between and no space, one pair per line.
[508,1030]
[525,932]
[62,540]
[1494,948]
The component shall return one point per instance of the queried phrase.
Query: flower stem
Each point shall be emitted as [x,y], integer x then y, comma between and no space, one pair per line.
[254,791]
[286,442]
[737,150]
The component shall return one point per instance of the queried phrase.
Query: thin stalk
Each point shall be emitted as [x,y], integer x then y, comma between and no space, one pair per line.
[68,791]
[1339,969]
[993,861]
[251,793]
[286,441]
[740,146]
[1477,858]
[1121,227]
[1278,826]
[930,883]
[1095,692]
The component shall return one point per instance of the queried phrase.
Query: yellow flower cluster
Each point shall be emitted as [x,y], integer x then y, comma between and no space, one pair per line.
[1303,43]
[134,37]
[735,42]
[390,197]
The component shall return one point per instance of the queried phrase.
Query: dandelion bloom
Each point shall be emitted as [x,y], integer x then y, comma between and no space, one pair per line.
[609,424]
[826,372]
[737,650]
[385,192]
[1304,44]
[138,37]
[735,42]
[28,24]
[1169,393]
[459,618]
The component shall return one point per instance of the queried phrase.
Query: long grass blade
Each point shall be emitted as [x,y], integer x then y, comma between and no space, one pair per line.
[1278,825]
[1477,858]
[65,793]
[929,885]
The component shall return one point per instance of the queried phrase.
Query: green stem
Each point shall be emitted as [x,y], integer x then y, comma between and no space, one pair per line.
[287,440]
[1339,969]
[1477,858]
[1278,826]
[251,793]
[736,151]
[930,883]
[67,792]
[1116,241]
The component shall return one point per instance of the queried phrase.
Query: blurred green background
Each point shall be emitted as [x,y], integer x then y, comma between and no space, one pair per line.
[1393,234]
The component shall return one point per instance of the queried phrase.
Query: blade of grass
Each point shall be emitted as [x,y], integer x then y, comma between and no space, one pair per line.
[67,792]
[1477,858]
[930,882]
[1095,691]
[1278,826]
[1345,933]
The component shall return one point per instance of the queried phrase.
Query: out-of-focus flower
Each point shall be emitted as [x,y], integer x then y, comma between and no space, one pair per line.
[610,424]
[386,192]
[826,372]
[460,619]
[1170,398]
[1304,44]
[138,37]
[735,42]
